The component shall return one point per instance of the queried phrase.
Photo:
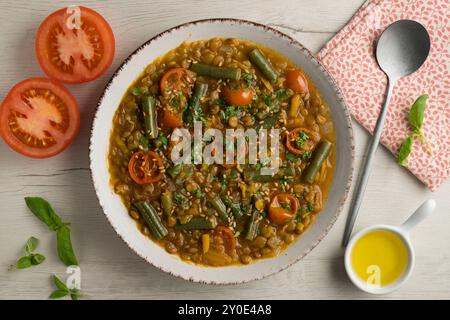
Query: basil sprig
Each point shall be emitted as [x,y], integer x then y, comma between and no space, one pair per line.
[415,117]
[62,290]
[44,212]
[30,258]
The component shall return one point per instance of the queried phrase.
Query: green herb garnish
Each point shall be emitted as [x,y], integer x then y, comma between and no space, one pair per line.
[248,79]
[230,111]
[162,140]
[30,258]
[137,91]
[302,139]
[44,212]
[178,198]
[415,117]
[62,290]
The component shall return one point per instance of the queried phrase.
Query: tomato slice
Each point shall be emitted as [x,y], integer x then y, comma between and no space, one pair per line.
[175,80]
[39,118]
[301,140]
[74,53]
[296,81]
[228,238]
[172,120]
[238,94]
[145,167]
[282,208]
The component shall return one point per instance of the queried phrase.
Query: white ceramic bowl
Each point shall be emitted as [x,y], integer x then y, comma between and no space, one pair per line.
[132,67]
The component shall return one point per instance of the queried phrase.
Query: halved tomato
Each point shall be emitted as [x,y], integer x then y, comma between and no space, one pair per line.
[145,167]
[39,118]
[74,45]
[282,208]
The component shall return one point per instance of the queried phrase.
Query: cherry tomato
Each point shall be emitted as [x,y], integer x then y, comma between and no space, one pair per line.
[71,53]
[301,140]
[282,208]
[172,120]
[296,81]
[237,94]
[39,118]
[228,238]
[176,79]
[145,167]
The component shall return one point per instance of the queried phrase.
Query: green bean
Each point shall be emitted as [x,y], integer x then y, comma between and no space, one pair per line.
[319,156]
[148,106]
[153,221]
[253,226]
[197,223]
[220,208]
[167,202]
[258,58]
[216,72]
[194,111]
[235,208]
[253,174]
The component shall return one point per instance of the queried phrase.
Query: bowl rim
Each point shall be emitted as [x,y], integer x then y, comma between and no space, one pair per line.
[322,69]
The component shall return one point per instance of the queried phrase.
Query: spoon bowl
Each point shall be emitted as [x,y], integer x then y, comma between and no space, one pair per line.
[402,48]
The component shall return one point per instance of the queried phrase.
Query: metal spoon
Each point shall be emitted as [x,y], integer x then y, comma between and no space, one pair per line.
[401,49]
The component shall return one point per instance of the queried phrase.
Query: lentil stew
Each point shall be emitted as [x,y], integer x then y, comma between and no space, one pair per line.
[222,214]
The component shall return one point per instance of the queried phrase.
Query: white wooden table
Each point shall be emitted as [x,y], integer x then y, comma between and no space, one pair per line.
[109,268]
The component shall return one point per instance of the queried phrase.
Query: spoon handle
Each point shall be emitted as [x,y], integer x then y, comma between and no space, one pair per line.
[365,167]
[419,215]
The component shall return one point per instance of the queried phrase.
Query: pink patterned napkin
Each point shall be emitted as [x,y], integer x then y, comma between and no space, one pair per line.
[349,57]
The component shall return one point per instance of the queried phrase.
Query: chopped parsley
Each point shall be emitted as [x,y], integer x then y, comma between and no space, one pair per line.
[197,193]
[283,94]
[178,198]
[302,139]
[161,140]
[248,79]
[230,111]
[143,143]
[307,208]
[137,91]
[267,99]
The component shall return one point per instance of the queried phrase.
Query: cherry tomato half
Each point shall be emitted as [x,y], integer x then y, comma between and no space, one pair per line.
[74,45]
[301,140]
[282,208]
[228,238]
[296,81]
[238,94]
[171,119]
[39,118]
[176,79]
[145,167]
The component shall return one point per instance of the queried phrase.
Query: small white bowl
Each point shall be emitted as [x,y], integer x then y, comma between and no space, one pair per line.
[403,233]
[370,288]
[134,65]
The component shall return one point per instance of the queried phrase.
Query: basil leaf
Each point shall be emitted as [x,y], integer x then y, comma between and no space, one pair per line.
[74,294]
[405,150]
[59,284]
[58,294]
[44,212]
[37,259]
[24,262]
[31,245]
[64,246]
[417,112]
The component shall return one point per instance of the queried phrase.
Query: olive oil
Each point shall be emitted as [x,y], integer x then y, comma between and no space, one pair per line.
[380,257]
